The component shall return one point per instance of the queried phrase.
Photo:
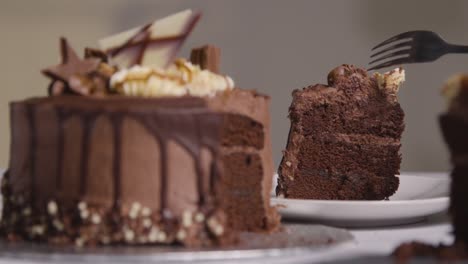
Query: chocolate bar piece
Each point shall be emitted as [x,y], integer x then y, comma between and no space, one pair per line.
[207,57]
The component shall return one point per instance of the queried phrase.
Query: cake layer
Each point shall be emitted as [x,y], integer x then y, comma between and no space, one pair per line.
[316,109]
[243,194]
[241,131]
[257,107]
[348,167]
[134,170]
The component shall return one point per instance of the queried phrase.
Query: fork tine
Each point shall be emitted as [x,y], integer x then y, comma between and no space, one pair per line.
[392,62]
[403,35]
[393,54]
[394,47]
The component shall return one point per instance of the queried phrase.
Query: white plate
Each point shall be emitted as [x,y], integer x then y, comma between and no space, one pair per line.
[419,196]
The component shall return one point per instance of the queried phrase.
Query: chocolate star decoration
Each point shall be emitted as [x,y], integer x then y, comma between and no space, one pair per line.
[72,67]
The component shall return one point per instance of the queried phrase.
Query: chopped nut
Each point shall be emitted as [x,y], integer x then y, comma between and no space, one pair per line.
[27,211]
[147,222]
[38,230]
[129,235]
[134,210]
[199,217]
[215,226]
[132,214]
[52,208]
[219,230]
[57,224]
[153,235]
[181,235]
[162,236]
[186,218]
[145,211]
[82,206]
[84,214]
[136,206]
[96,218]
[79,242]
[288,163]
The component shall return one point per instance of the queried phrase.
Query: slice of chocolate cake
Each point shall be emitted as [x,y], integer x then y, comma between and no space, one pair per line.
[454,126]
[344,139]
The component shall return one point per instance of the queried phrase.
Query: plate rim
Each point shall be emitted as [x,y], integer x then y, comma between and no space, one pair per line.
[362,202]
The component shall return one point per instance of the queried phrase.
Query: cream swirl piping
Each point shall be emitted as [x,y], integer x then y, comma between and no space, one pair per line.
[181,78]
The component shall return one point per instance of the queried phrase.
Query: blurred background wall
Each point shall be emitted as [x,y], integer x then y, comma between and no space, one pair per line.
[272,46]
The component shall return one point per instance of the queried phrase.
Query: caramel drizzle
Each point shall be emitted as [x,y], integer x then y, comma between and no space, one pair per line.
[186,130]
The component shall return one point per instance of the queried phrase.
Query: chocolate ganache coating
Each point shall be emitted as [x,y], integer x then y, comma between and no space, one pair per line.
[138,170]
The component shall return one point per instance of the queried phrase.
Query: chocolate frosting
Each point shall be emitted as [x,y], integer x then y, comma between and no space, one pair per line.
[171,155]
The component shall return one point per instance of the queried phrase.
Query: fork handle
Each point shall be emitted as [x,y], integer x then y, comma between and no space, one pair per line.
[458,49]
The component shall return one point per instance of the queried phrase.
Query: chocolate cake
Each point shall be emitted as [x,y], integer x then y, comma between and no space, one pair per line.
[141,154]
[344,139]
[454,125]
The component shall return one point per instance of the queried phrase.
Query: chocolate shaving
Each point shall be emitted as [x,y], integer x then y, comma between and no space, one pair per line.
[207,57]
[89,76]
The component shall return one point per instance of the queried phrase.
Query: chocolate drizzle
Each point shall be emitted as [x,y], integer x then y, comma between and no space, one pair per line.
[190,128]
[62,115]
[187,130]
[116,120]
[213,174]
[32,149]
[88,124]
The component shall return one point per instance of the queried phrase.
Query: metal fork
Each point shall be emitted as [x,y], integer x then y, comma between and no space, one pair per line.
[413,47]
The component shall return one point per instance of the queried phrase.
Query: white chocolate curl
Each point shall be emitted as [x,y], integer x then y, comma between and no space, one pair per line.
[181,78]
